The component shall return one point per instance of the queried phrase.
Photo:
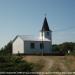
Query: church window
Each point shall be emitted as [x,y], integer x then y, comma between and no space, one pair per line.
[41,45]
[32,45]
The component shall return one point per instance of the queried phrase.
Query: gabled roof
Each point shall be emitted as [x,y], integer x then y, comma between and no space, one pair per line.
[26,37]
[29,38]
[45,25]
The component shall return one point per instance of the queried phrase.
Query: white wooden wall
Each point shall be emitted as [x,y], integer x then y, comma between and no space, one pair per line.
[18,46]
[24,47]
[36,50]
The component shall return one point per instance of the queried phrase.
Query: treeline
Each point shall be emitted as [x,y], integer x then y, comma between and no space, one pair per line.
[65,48]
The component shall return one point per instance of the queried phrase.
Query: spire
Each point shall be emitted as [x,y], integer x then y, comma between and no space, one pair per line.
[45,25]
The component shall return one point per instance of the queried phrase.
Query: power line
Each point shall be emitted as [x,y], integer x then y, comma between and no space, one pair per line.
[65,29]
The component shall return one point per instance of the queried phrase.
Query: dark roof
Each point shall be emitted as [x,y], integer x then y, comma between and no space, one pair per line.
[45,25]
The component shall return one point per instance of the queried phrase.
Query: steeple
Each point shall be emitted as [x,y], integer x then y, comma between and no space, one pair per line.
[45,25]
[45,32]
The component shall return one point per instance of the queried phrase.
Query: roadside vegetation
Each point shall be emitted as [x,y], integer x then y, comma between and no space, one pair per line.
[17,63]
[13,63]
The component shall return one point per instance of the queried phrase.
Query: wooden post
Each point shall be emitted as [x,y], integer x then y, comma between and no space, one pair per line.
[42,43]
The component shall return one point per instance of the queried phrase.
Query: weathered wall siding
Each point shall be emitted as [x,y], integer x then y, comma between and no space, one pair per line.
[28,49]
[36,50]
[18,46]
[24,47]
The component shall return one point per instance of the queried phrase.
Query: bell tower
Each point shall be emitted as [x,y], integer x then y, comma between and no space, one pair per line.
[45,31]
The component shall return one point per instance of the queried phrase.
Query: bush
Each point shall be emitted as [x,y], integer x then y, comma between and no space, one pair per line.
[14,63]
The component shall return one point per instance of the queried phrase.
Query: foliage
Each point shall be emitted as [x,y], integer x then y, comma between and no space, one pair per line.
[67,46]
[7,49]
[9,62]
[14,63]
[55,48]
[64,48]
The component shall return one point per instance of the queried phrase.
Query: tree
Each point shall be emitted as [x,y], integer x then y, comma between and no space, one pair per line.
[55,48]
[7,49]
[67,46]
[64,48]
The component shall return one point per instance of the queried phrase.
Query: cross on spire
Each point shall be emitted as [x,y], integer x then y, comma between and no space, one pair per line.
[45,14]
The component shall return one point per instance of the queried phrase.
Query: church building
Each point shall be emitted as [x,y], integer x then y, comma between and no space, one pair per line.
[24,44]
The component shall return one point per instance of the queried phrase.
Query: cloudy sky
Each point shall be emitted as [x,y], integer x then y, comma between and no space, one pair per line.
[25,17]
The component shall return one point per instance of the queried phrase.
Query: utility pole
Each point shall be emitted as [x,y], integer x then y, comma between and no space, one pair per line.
[42,43]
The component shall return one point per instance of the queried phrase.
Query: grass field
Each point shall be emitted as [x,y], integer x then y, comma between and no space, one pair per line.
[52,63]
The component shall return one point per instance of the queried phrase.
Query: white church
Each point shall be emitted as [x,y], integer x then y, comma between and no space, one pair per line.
[42,44]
